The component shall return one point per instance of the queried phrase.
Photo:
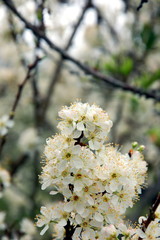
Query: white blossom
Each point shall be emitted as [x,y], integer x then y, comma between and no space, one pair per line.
[2,220]
[27,226]
[5,124]
[28,139]
[5,180]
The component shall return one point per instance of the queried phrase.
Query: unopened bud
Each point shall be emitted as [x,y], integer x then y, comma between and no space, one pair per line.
[141,148]
[134,144]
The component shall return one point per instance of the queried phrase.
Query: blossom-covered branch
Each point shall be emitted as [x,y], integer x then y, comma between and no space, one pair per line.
[97,182]
[89,71]
[151,217]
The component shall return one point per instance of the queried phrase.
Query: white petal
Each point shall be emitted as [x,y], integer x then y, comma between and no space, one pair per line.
[86,235]
[141,233]
[90,200]
[108,124]
[85,213]
[44,229]
[78,219]
[91,144]
[76,149]
[62,166]
[53,192]
[66,193]
[115,200]
[78,164]
[3,131]
[10,123]
[78,186]
[76,134]
[80,126]
[80,208]
[45,184]
[97,145]
[142,219]
[90,126]
[77,233]
[62,222]
[98,217]
[113,186]
[68,207]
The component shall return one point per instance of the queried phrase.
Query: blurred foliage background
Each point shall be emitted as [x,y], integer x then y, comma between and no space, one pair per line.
[111,37]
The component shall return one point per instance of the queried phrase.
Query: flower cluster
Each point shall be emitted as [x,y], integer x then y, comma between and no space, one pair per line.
[98,183]
[92,121]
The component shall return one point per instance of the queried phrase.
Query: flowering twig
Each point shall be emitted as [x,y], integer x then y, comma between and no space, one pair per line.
[141,4]
[31,67]
[151,215]
[89,71]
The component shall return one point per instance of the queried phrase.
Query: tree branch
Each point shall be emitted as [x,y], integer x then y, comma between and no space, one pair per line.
[89,71]
[69,231]
[141,4]
[18,96]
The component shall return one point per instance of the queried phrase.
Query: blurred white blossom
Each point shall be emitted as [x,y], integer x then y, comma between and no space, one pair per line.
[27,226]
[28,139]
[2,220]
[5,124]
[5,180]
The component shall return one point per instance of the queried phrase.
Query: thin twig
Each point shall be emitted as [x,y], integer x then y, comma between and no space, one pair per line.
[89,71]
[20,162]
[31,67]
[151,215]
[59,65]
[141,4]
[37,98]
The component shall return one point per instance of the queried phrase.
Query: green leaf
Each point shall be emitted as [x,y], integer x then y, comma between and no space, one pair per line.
[134,103]
[111,66]
[39,14]
[148,79]
[119,65]
[148,36]
[126,67]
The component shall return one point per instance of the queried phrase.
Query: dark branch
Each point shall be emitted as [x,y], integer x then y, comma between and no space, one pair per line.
[69,231]
[151,215]
[21,86]
[141,4]
[89,71]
